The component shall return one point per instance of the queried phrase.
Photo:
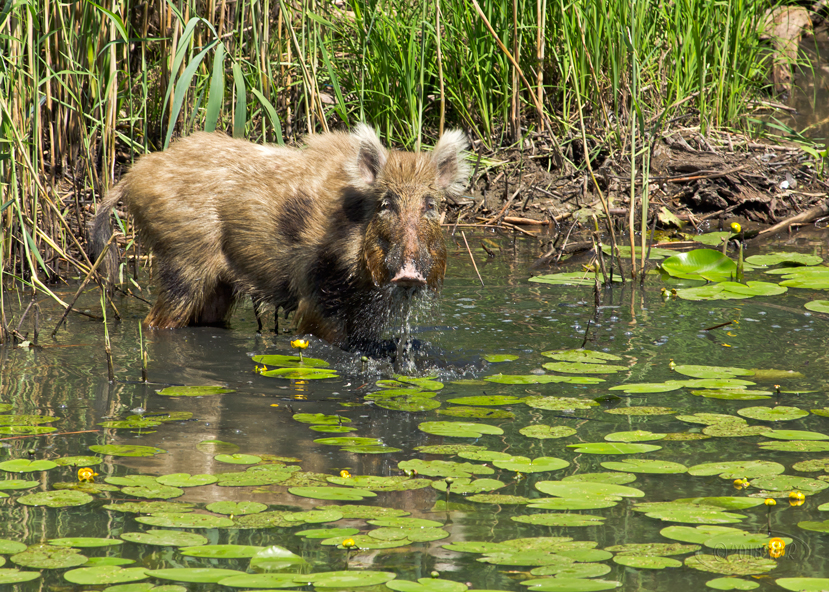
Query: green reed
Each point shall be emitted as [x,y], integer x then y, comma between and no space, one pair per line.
[87,86]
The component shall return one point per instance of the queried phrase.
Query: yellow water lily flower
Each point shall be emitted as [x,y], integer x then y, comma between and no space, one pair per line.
[299,343]
[86,475]
[770,501]
[776,547]
[345,474]
[736,228]
[741,483]
[349,543]
[797,498]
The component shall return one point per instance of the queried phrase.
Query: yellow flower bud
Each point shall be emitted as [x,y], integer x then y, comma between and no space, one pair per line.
[770,501]
[299,343]
[349,543]
[345,474]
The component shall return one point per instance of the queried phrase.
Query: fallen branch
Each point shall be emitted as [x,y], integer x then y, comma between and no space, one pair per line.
[468,250]
[818,211]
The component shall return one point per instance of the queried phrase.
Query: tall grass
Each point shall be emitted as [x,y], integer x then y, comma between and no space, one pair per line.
[86,86]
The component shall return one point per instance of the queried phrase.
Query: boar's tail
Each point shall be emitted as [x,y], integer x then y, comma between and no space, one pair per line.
[102,231]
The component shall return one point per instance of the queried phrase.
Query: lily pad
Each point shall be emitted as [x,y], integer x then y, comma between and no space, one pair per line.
[803,584]
[650,387]
[105,574]
[559,403]
[56,499]
[49,557]
[521,464]
[487,400]
[177,520]
[85,542]
[78,461]
[633,436]
[545,432]
[541,379]
[711,371]
[641,411]
[636,465]
[788,483]
[426,585]
[290,361]
[653,549]
[17,484]
[779,413]
[581,355]
[731,583]
[696,534]
[477,413]
[707,264]
[556,519]
[126,450]
[586,489]
[15,576]
[222,551]
[564,584]
[817,306]
[301,373]
[582,368]
[737,469]
[737,564]
[459,429]
[193,391]
[262,580]
[194,575]
[346,579]
[612,448]
[332,493]
[784,258]
[165,538]
[24,465]
[496,358]
[646,562]
[186,480]
[236,508]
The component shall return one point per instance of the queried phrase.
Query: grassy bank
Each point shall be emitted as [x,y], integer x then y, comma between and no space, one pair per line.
[85,86]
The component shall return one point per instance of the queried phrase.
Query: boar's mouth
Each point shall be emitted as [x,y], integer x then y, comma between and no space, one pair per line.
[408,276]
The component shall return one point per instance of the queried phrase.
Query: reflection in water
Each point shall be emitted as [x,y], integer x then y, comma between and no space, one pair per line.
[509,315]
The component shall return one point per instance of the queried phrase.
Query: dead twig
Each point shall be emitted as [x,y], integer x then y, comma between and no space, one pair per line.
[468,250]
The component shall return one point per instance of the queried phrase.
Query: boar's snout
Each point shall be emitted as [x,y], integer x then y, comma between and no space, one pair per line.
[408,276]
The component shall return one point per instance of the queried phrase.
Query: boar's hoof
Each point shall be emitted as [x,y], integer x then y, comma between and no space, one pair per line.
[408,277]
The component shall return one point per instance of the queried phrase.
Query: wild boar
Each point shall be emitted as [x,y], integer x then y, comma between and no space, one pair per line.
[341,231]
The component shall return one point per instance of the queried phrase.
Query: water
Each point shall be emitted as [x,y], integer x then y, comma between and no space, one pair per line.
[67,378]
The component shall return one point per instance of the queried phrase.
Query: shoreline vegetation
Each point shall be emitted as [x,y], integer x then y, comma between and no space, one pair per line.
[575,110]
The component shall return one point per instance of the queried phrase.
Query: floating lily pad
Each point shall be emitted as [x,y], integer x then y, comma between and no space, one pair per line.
[795,446]
[541,379]
[726,290]
[327,533]
[633,436]
[559,403]
[733,394]
[379,483]
[586,489]
[650,387]
[521,464]
[817,306]
[238,459]
[56,499]
[646,562]
[545,432]
[581,355]
[290,361]
[15,576]
[24,465]
[165,538]
[687,513]
[582,368]
[565,584]
[426,384]
[150,507]
[731,583]
[105,574]
[653,549]
[332,493]
[442,468]
[555,519]
[566,503]
[186,480]
[779,413]
[8,547]
[222,551]
[735,542]
[696,534]
[85,542]
[477,413]
[496,358]
[706,264]
[301,373]
[711,371]
[78,461]
[784,258]
[49,557]
[458,429]
[737,564]
[735,430]
[426,585]
[126,450]
[726,502]
[486,400]
[803,584]
[788,483]
[346,579]
[641,410]
[263,580]
[236,508]
[500,499]
[614,478]
[795,435]
[568,278]
[612,448]
[193,391]
[177,520]
[573,570]
[194,575]
[737,469]
[17,484]
[636,465]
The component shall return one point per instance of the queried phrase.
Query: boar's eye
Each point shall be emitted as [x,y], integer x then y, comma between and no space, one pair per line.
[428,204]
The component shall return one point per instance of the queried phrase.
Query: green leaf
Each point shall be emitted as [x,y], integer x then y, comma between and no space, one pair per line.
[301,373]
[633,436]
[817,306]
[15,576]
[581,355]
[194,575]
[236,508]
[700,264]
[564,584]
[785,258]
[165,538]
[646,562]
[56,499]
[178,520]
[612,448]
[738,564]
[346,579]
[521,464]
[126,450]
[561,519]
[332,493]
[496,358]
[559,403]
[186,480]
[238,459]
[193,391]
[105,574]
[545,432]
[262,580]
[458,429]
[222,551]
[586,489]
[638,465]
[48,557]
[803,584]
[582,368]
[737,469]
[85,542]
[779,413]
[290,361]
[23,465]
[711,371]
[427,585]
[696,534]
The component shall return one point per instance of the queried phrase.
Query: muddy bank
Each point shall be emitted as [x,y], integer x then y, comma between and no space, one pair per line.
[720,177]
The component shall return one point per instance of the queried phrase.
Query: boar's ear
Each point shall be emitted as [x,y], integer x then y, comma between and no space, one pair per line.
[371,156]
[453,170]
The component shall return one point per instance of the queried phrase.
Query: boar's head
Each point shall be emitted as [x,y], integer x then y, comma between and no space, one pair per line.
[403,245]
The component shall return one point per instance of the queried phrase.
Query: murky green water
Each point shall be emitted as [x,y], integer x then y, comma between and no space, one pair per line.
[509,315]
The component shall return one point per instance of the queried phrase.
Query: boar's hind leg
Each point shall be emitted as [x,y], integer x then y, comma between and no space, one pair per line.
[181,303]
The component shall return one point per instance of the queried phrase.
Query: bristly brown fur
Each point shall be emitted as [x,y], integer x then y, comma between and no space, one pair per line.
[331,230]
